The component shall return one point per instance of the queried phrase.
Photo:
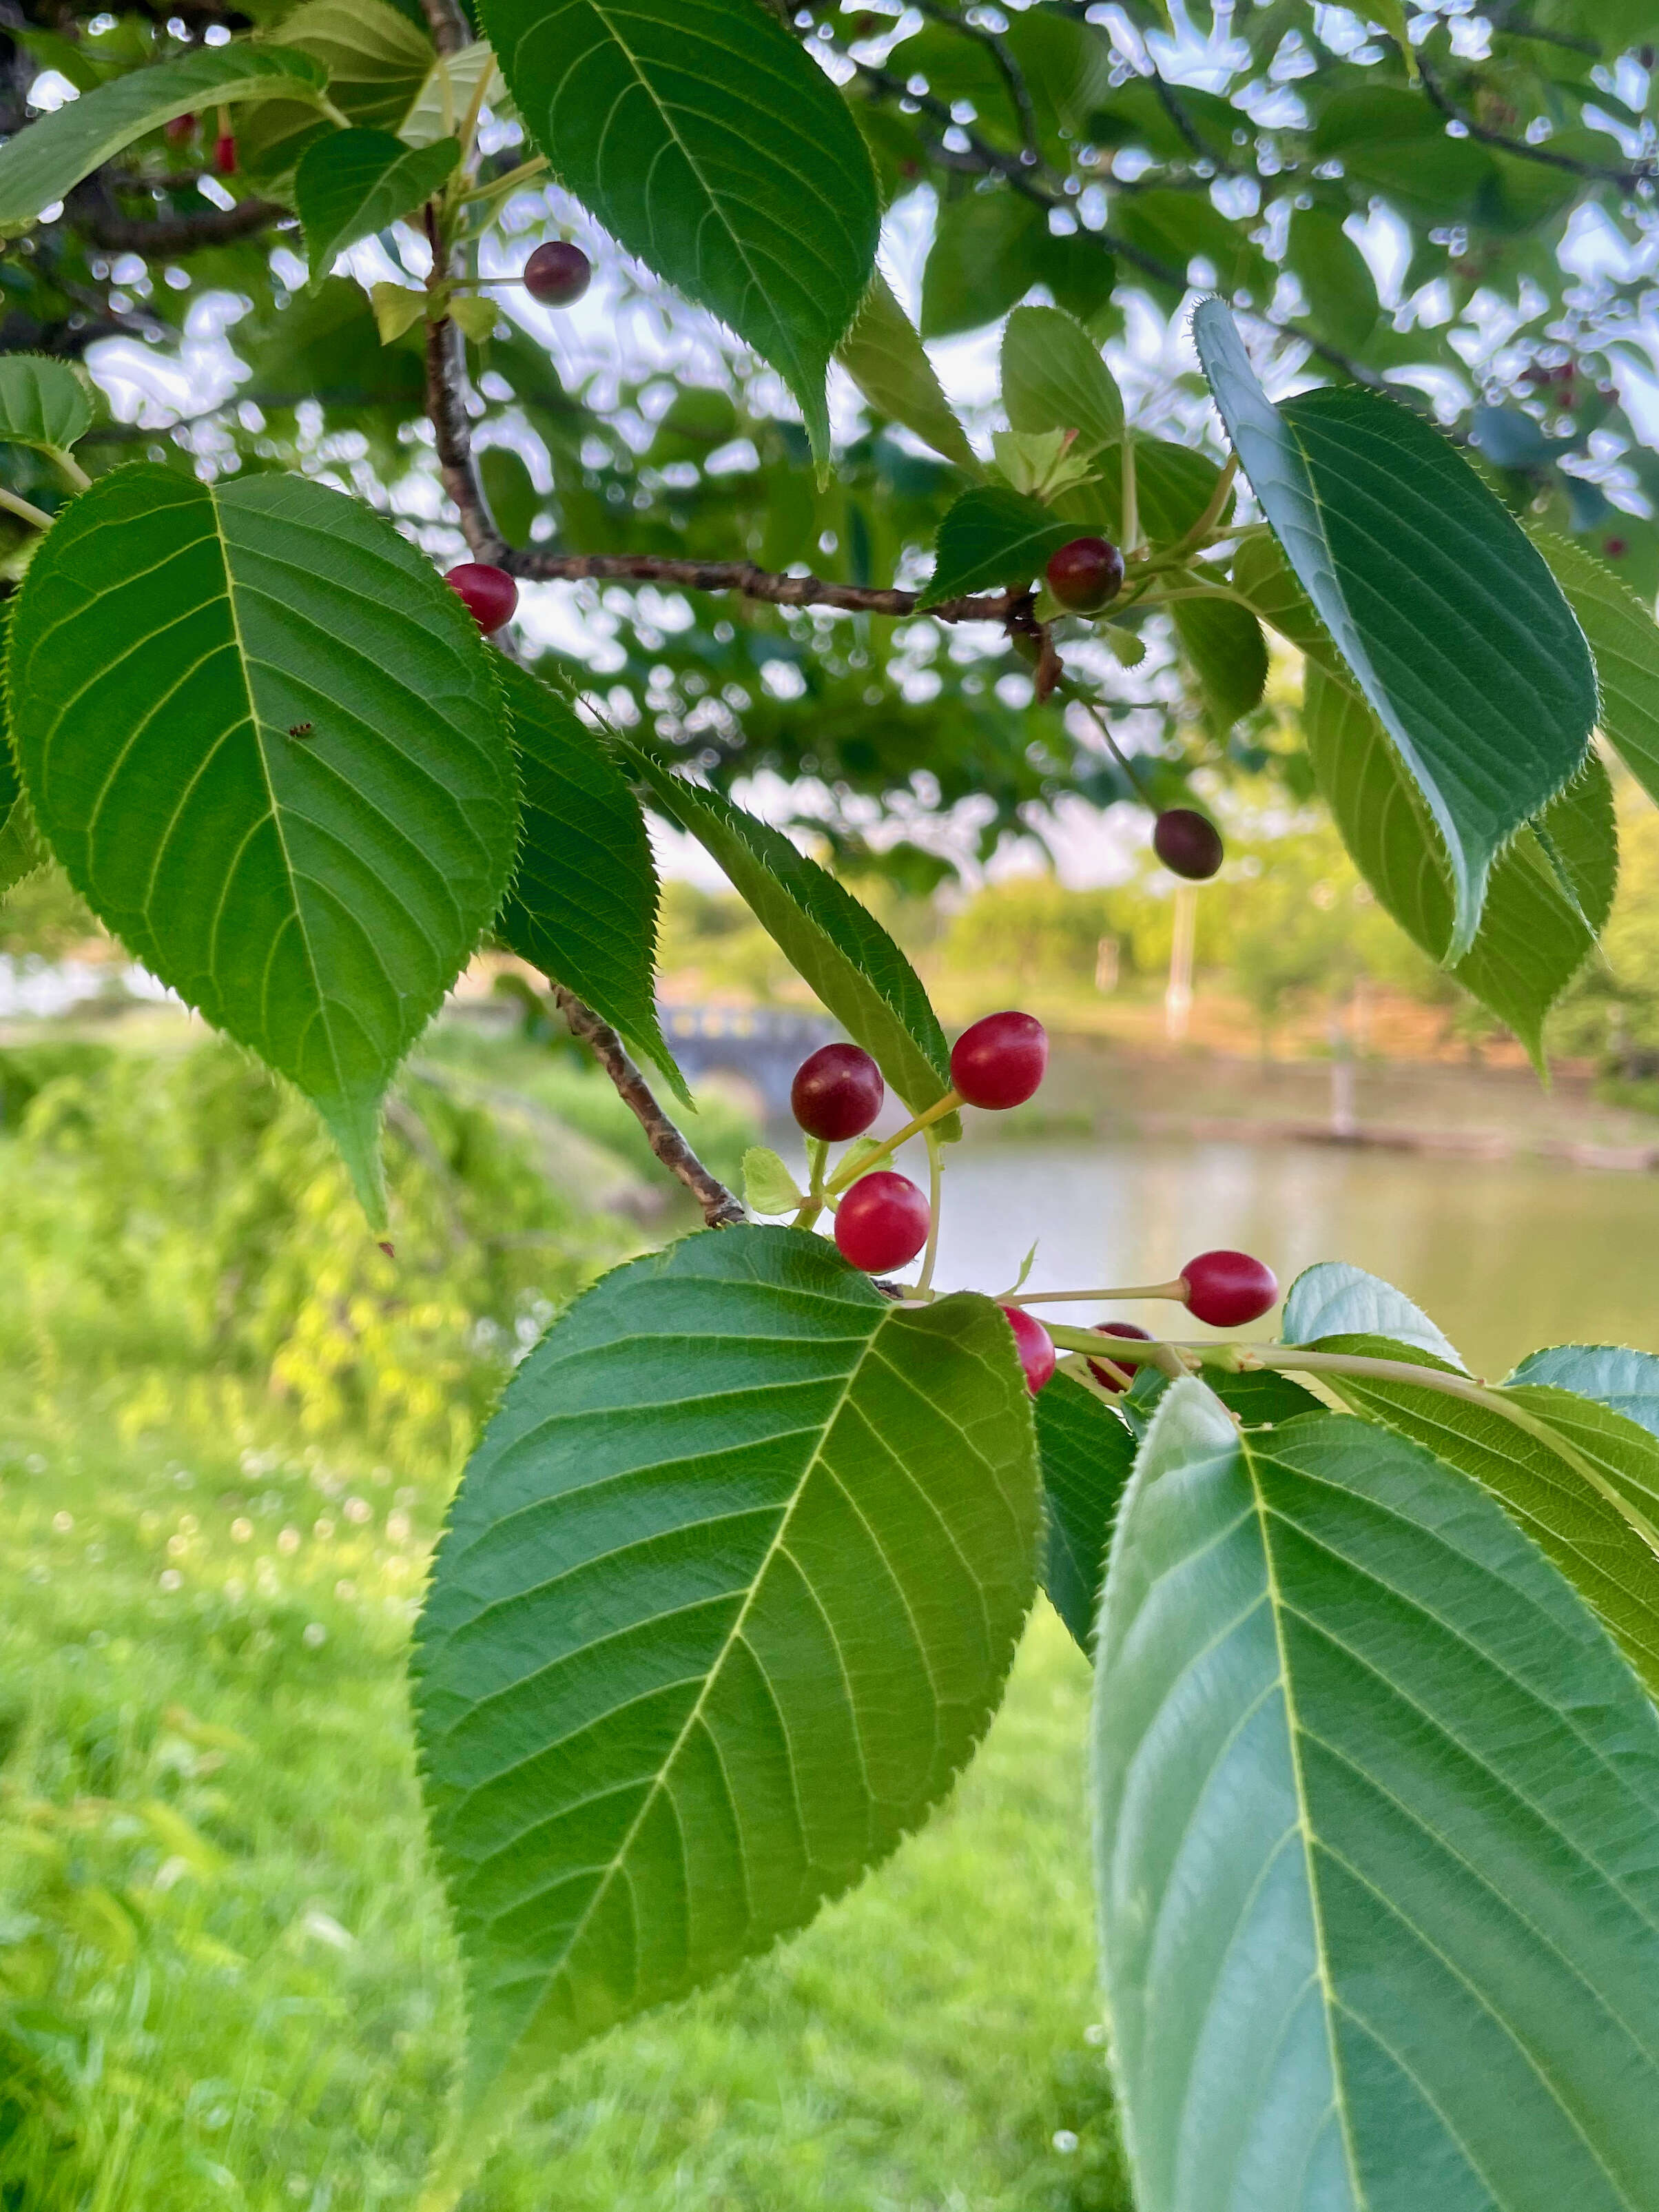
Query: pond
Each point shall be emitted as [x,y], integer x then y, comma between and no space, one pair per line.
[1506,1256]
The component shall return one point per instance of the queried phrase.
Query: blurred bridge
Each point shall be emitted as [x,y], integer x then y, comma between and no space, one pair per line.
[761,1045]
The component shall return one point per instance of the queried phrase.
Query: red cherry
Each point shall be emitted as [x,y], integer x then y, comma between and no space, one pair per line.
[1227,1289]
[1001,1060]
[489,595]
[1614,548]
[224,154]
[883,1222]
[558,274]
[1086,575]
[182,127]
[1035,1346]
[1188,844]
[837,1092]
[1103,1376]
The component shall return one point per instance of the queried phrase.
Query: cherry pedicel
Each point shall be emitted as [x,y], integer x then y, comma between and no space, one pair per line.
[1103,1375]
[1035,1346]
[1188,844]
[489,595]
[883,1222]
[1001,1060]
[1086,575]
[558,274]
[1227,1289]
[836,1093]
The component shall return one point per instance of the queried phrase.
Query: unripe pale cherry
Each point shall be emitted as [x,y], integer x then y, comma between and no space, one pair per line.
[1103,1376]
[558,274]
[1035,1346]
[1227,1289]
[837,1092]
[489,594]
[1086,574]
[883,1222]
[1001,1060]
[1188,843]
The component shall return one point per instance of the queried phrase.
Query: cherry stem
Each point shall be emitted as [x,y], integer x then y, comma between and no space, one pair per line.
[817,1154]
[1174,1289]
[36,516]
[849,1170]
[1236,1359]
[935,1169]
[1117,749]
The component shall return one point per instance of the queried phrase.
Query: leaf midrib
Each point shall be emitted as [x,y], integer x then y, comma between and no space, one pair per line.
[1276,1608]
[775,1547]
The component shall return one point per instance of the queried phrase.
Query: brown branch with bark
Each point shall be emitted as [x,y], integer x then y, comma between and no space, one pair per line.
[179,233]
[721,1209]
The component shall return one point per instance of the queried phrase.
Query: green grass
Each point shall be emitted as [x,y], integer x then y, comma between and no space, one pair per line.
[225,1980]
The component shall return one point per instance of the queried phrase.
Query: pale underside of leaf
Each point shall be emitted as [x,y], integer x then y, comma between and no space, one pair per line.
[1445,613]
[1380,1904]
[727,1596]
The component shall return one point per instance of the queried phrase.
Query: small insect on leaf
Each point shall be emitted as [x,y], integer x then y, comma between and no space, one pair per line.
[300,729]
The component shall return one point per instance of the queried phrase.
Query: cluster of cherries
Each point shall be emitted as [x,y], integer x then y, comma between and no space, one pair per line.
[884,1220]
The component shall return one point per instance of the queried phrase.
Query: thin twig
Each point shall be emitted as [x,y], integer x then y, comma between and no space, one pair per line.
[1596,172]
[721,1209]
[182,233]
[742,576]
[1007,67]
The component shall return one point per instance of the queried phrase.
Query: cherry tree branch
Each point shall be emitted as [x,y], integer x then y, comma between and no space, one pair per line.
[181,233]
[721,1209]
[450,29]
[752,583]
[1639,173]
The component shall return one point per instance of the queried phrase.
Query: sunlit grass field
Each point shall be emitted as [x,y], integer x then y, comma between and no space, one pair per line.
[224,1975]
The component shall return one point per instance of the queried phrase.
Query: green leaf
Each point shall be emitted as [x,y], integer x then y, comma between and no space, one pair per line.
[583,902]
[354,183]
[1624,639]
[1260,573]
[1580,1479]
[447,92]
[708,145]
[887,361]
[21,853]
[1176,228]
[1453,626]
[1612,1374]
[265,743]
[511,490]
[44,403]
[1334,276]
[377,59]
[475,314]
[1332,1298]
[398,308]
[993,538]
[1229,656]
[1053,379]
[46,161]
[727,1596]
[1375,1800]
[835,945]
[1549,893]
[980,262]
[768,1185]
[1086,1451]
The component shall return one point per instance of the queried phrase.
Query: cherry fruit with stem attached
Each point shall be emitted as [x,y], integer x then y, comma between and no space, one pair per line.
[558,274]
[883,1222]
[1103,1375]
[1035,1346]
[489,595]
[1000,1061]
[1227,1289]
[836,1093]
[1188,844]
[1086,574]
